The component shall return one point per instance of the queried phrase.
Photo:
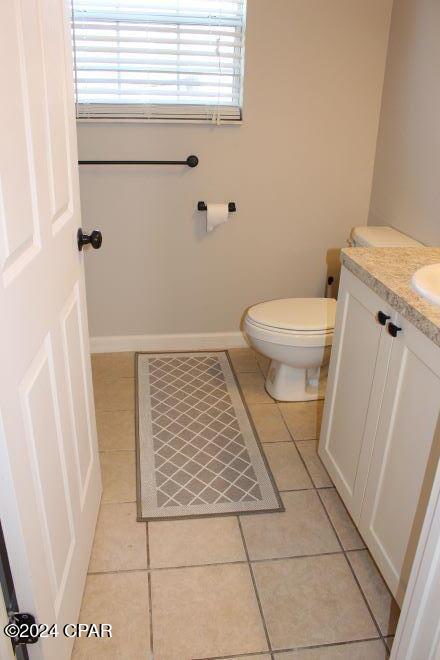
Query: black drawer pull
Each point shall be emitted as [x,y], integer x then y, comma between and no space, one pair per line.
[393,329]
[382,318]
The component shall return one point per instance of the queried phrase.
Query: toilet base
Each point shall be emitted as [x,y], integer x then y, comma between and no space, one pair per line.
[285,383]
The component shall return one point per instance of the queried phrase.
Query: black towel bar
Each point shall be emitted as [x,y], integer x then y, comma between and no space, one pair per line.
[191,161]
[201,206]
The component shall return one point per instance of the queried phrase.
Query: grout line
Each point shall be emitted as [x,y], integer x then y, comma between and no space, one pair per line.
[257,595]
[237,562]
[113,451]
[121,502]
[99,378]
[294,490]
[150,597]
[147,543]
[128,570]
[114,410]
[150,604]
[277,442]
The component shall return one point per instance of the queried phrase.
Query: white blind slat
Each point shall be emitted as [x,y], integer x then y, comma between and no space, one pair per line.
[155,51]
[185,30]
[98,67]
[152,59]
[181,41]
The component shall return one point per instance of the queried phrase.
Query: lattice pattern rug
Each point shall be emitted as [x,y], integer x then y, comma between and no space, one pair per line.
[197,451]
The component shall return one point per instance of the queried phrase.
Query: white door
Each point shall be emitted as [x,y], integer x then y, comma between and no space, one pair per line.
[404,456]
[357,373]
[49,473]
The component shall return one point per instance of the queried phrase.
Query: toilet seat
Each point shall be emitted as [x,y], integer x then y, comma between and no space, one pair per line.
[293,321]
[287,337]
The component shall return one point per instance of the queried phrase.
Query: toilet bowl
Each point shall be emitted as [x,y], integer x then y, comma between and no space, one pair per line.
[296,335]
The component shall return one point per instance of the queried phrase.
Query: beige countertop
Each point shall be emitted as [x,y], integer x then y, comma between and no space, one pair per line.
[388,272]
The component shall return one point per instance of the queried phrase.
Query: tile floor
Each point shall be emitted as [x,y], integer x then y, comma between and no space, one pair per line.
[297,585]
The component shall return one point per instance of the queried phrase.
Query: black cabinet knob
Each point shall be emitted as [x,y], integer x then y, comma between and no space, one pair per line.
[393,329]
[94,239]
[382,318]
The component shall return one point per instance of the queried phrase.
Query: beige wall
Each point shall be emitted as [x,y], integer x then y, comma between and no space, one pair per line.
[299,169]
[407,171]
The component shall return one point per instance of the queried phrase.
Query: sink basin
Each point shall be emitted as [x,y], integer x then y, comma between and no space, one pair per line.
[426,281]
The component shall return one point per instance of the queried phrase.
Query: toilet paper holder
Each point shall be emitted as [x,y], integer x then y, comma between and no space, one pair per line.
[201,206]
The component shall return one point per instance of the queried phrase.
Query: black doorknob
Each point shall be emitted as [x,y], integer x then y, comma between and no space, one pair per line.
[95,239]
[382,318]
[393,329]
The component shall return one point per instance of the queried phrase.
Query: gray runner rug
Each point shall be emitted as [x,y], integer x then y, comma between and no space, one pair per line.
[197,450]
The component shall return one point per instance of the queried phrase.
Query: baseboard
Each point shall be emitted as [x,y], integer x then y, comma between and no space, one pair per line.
[187,342]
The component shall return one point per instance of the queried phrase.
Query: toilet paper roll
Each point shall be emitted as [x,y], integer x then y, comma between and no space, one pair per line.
[216,215]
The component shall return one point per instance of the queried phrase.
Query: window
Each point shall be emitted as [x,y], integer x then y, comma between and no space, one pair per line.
[159,59]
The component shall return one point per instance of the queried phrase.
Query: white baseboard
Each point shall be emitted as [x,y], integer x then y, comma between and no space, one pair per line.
[189,342]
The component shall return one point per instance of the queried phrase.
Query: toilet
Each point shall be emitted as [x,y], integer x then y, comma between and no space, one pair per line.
[296,334]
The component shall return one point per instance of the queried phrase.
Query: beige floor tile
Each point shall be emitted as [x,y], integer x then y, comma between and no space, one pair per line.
[120,542]
[287,467]
[112,365]
[118,476]
[120,599]
[252,385]
[311,600]
[303,529]
[308,450]
[340,518]
[372,650]
[116,430]
[114,394]
[204,612]
[243,360]
[192,542]
[303,418]
[383,605]
[269,423]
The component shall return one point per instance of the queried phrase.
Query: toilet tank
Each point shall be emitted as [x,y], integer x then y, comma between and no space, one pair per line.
[369,236]
[364,236]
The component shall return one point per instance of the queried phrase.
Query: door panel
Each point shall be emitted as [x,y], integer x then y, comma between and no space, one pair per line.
[356,377]
[18,231]
[58,134]
[398,482]
[49,471]
[77,391]
[48,467]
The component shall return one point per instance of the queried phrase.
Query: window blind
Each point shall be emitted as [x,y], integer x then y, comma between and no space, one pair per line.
[159,59]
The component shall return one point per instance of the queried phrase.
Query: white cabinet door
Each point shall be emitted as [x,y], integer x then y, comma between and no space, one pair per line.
[49,471]
[357,373]
[400,476]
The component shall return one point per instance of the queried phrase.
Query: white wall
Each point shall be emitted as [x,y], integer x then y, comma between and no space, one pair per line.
[407,171]
[299,169]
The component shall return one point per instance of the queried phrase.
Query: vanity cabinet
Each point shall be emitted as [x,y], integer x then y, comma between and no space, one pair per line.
[379,439]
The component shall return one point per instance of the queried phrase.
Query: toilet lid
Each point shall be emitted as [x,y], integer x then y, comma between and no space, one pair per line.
[298,314]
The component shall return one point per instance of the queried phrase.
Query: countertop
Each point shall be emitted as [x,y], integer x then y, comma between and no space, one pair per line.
[388,272]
